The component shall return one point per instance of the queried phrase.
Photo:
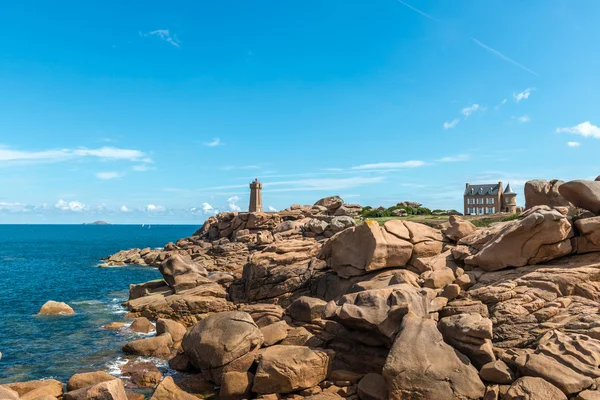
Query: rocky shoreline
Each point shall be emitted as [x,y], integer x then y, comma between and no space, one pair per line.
[307,304]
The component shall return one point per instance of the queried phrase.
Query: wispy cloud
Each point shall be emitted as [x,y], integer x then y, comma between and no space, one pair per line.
[467,111]
[418,11]
[54,155]
[109,175]
[502,56]
[524,95]
[214,143]
[503,102]
[142,168]
[573,144]
[585,129]
[324,185]
[458,158]
[272,209]
[392,165]
[451,124]
[165,35]
[524,118]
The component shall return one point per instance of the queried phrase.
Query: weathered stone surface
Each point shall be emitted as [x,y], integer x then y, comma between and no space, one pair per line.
[541,235]
[236,386]
[315,226]
[588,395]
[86,379]
[421,366]
[181,273]
[338,224]
[152,346]
[168,390]
[8,394]
[284,369]
[56,308]
[364,248]
[372,387]
[497,372]
[142,325]
[531,388]
[378,311]
[544,193]
[582,194]
[470,334]
[31,389]
[108,390]
[274,333]
[332,203]
[439,278]
[223,342]
[263,314]
[175,329]
[458,228]
[306,309]
[141,373]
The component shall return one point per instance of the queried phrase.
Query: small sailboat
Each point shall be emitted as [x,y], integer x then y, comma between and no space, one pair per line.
[143,225]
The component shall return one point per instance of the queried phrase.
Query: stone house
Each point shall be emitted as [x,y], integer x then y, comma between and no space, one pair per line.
[489,199]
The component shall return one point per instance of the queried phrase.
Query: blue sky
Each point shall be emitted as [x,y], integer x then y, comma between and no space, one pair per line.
[143,111]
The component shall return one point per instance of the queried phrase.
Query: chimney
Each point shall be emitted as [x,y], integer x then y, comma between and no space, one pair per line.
[468,184]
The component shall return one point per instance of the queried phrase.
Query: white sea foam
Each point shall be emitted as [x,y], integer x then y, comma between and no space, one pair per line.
[114,367]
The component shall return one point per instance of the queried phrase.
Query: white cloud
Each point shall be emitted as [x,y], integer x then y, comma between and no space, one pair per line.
[165,35]
[104,153]
[109,175]
[392,165]
[524,95]
[13,206]
[75,206]
[154,208]
[207,208]
[272,209]
[585,129]
[524,118]
[231,202]
[503,102]
[573,144]
[467,111]
[214,143]
[451,124]
[124,209]
[458,158]
[142,168]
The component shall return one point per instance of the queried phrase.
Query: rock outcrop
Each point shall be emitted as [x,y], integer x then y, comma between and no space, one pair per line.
[52,307]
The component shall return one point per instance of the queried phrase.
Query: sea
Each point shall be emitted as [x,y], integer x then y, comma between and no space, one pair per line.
[60,262]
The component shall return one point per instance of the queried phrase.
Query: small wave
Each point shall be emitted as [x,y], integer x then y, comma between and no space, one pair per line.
[114,367]
[90,302]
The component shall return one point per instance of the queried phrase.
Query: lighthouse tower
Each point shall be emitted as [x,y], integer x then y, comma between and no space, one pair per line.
[255,197]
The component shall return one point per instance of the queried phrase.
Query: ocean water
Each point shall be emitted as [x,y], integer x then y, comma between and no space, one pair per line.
[60,262]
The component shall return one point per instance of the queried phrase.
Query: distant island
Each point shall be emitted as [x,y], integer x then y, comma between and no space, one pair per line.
[96,223]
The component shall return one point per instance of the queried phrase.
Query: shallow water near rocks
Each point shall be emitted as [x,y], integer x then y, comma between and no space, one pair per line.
[60,262]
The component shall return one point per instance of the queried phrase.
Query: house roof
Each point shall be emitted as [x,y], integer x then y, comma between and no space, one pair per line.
[482,190]
[508,190]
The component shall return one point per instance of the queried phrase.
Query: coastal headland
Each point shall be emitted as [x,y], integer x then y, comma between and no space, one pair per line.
[317,302]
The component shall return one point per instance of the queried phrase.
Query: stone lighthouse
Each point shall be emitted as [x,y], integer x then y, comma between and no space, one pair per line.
[255,197]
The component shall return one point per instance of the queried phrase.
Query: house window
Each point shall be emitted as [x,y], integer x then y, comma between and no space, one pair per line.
[470,201]
[490,200]
[472,210]
[480,201]
[480,211]
[491,210]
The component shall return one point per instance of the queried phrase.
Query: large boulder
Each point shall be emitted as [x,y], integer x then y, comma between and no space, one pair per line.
[108,390]
[542,234]
[372,387]
[364,248]
[378,311]
[31,389]
[471,334]
[236,386]
[157,346]
[285,369]
[8,394]
[421,365]
[531,388]
[181,273]
[222,343]
[86,379]
[306,309]
[52,307]
[544,193]
[175,329]
[583,194]
[458,228]
[338,224]
[168,390]
[332,203]
[315,226]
